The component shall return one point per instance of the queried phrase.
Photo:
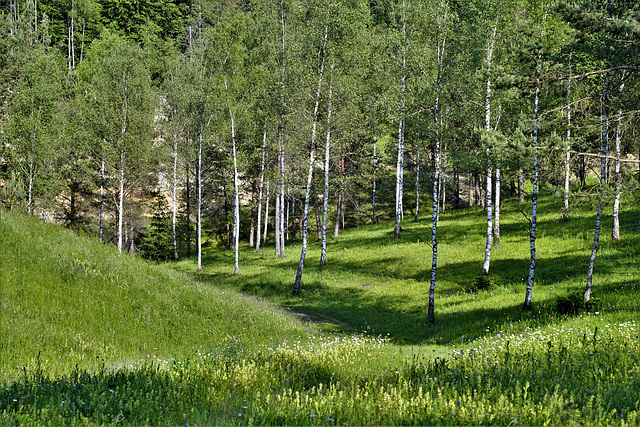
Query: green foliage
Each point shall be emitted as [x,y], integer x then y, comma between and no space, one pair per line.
[157,244]
[574,304]
[12,192]
[483,282]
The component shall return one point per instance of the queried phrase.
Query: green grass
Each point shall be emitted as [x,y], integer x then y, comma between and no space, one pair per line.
[161,345]
[70,301]
[378,284]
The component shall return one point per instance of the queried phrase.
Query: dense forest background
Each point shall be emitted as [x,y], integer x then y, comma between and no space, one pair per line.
[150,123]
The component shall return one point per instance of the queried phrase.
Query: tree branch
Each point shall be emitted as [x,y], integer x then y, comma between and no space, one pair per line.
[590,154]
[608,70]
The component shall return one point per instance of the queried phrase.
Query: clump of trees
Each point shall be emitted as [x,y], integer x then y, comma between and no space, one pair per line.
[170,126]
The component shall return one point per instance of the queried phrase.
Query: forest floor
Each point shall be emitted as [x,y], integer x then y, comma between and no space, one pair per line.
[95,338]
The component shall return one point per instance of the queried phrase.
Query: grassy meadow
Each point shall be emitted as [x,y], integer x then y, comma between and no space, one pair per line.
[90,337]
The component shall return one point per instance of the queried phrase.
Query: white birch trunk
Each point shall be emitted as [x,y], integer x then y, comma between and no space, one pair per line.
[443,178]
[121,201]
[281,224]
[496,205]
[264,142]
[84,23]
[277,222]
[236,199]
[174,202]
[615,232]
[30,189]
[325,201]
[487,251]
[417,165]
[303,253]
[373,200]
[282,199]
[534,196]
[73,47]
[436,179]
[603,172]
[199,215]
[400,165]
[534,206]
[567,157]
[266,214]
[101,199]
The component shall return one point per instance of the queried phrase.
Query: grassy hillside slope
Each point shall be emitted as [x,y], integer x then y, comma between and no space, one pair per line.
[66,300]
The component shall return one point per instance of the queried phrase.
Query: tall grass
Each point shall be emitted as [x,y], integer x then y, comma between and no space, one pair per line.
[246,362]
[68,301]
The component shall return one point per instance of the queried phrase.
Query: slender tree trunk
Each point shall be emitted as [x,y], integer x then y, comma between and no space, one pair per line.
[318,220]
[266,214]
[282,202]
[373,200]
[567,158]
[30,187]
[443,178]
[199,216]
[277,221]
[226,217]
[534,196]
[615,232]
[281,224]
[487,251]
[174,201]
[288,212]
[73,47]
[456,183]
[325,201]
[303,253]
[417,166]
[400,165]
[596,237]
[101,199]
[84,23]
[340,201]
[188,208]
[236,199]
[603,171]
[121,201]
[436,179]
[521,185]
[252,223]
[293,218]
[534,207]
[496,213]
[264,142]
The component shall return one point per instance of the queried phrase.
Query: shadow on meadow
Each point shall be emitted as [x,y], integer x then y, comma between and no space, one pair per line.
[340,291]
[354,308]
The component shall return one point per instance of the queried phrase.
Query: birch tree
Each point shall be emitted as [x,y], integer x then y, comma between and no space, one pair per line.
[122,89]
[534,195]
[305,216]
[325,201]
[32,121]
[442,22]
[401,122]
[487,108]
[261,188]
[615,232]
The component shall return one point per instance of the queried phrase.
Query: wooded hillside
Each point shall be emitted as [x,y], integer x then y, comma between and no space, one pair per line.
[168,126]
